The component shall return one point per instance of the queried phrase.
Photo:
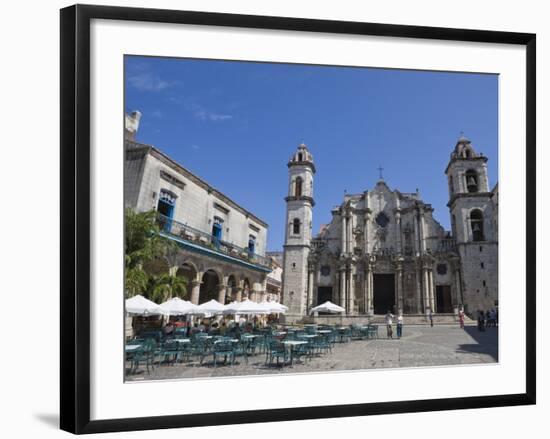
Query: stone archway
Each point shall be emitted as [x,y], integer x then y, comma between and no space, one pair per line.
[247,291]
[210,285]
[189,272]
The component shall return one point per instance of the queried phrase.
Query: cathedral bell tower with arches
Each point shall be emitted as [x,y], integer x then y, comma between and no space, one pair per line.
[474,220]
[297,282]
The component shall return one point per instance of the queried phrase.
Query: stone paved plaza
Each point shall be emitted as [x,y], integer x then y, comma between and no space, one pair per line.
[420,346]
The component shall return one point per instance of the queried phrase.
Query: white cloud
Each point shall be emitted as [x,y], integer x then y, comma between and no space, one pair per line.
[148,82]
[195,146]
[203,114]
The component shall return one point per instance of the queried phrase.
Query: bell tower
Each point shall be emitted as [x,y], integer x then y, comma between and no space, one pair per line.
[299,207]
[472,208]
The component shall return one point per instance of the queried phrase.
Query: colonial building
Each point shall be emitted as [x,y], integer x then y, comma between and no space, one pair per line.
[221,245]
[274,281]
[384,250]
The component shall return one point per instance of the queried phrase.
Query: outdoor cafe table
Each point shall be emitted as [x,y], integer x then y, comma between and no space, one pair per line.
[132,347]
[182,340]
[291,344]
[307,336]
[324,331]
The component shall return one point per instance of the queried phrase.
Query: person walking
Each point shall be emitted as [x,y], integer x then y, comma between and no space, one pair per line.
[399,325]
[431,317]
[461,318]
[389,320]
[481,321]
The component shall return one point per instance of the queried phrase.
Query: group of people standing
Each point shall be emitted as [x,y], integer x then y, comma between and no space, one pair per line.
[487,319]
[389,322]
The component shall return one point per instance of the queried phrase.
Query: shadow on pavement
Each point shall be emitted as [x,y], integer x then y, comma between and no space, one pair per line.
[487,342]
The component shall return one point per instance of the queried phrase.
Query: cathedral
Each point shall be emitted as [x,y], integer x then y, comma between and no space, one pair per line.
[384,250]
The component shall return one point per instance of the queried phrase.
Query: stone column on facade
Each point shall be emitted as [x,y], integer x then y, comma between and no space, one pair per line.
[343,287]
[263,292]
[195,291]
[432,290]
[425,289]
[350,233]
[418,294]
[310,288]
[239,293]
[351,298]
[458,288]
[343,242]
[422,232]
[222,291]
[416,234]
[366,291]
[399,234]
[399,289]
[366,234]
[370,292]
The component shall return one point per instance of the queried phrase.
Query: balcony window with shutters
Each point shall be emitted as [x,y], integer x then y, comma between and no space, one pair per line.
[217,230]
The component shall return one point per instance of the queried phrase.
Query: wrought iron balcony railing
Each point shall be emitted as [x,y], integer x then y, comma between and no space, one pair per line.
[188,233]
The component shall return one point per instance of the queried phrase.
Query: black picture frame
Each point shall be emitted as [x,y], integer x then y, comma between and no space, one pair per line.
[75,217]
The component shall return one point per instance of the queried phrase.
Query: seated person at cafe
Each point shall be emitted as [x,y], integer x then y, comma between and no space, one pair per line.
[168,329]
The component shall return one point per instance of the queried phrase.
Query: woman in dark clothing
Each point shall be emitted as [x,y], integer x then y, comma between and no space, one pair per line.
[481,321]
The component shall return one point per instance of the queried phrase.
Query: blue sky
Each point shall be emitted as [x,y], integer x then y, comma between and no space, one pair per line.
[235,124]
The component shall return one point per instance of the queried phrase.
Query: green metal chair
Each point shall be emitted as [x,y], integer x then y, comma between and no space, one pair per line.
[276,351]
[242,349]
[223,349]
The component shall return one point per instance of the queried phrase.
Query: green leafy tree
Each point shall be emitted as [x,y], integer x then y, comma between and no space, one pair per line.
[167,286]
[142,244]
[142,240]
[136,281]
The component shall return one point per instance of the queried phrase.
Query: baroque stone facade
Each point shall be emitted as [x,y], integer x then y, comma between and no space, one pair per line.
[384,250]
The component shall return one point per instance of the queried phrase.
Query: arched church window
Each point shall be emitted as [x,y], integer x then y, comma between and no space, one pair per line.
[300,157]
[451,189]
[472,181]
[476,223]
[298,189]
[296,226]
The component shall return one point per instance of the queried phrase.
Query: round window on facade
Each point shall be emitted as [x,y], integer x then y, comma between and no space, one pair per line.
[382,219]
[441,269]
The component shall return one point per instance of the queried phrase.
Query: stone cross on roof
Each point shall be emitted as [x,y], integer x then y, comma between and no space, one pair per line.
[380,169]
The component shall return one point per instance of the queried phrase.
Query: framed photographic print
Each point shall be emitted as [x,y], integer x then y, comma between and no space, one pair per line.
[275,218]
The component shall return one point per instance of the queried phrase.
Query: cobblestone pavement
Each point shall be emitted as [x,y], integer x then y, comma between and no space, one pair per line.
[419,346]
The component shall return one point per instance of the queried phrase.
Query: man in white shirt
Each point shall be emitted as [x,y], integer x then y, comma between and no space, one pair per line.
[389,321]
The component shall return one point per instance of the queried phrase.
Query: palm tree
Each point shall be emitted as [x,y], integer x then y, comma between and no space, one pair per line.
[135,281]
[142,240]
[142,244]
[167,286]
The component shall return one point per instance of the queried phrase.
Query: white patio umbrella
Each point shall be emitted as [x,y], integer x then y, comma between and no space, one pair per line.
[245,307]
[328,306]
[178,307]
[212,307]
[139,305]
[274,307]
